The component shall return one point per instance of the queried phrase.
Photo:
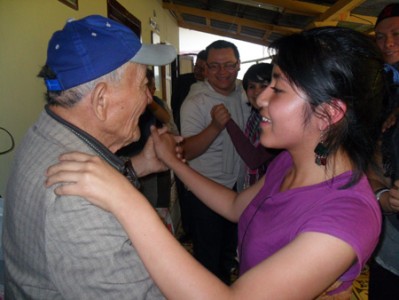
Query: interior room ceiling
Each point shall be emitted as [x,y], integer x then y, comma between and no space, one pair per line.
[262,21]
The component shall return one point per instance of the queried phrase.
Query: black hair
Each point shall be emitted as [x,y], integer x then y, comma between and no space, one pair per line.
[201,55]
[149,74]
[334,63]
[257,73]
[222,44]
[390,10]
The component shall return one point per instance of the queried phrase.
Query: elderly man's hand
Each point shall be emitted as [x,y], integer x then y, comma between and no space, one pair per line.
[147,161]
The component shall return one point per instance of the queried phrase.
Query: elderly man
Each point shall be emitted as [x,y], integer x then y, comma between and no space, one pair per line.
[96,91]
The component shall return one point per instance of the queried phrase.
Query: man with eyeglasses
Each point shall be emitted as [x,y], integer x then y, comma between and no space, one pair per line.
[209,150]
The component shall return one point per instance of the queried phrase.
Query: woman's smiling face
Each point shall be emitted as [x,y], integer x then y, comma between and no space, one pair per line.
[283,109]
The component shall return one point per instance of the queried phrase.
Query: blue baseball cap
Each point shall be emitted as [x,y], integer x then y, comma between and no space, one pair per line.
[91,47]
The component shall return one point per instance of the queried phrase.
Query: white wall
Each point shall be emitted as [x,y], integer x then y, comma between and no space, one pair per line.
[25,28]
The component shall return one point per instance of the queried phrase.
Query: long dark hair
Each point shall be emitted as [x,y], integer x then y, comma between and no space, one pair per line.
[331,63]
[257,73]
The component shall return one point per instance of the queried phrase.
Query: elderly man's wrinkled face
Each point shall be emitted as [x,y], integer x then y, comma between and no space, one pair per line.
[129,100]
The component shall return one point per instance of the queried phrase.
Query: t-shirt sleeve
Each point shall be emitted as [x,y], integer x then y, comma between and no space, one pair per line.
[352,219]
[192,117]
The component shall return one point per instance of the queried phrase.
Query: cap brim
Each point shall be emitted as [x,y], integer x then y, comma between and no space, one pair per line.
[155,55]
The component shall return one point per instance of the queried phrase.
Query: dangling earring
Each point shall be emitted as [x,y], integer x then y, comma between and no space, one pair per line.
[321,152]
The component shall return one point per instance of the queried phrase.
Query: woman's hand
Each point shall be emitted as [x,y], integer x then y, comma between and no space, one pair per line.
[90,177]
[167,146]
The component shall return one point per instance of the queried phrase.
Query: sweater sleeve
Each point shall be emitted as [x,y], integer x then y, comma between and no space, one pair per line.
[251,155]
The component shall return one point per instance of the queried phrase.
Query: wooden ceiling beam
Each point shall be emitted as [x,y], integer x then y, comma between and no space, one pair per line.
[317,10]
[239,29]
[297,7]
[340,10]
[229,19]
[266,36]
[323,15]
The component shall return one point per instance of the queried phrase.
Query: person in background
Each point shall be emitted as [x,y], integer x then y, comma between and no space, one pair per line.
[247,144]
[179,93]
[209,150]
[159,107]
[183,84]
[384,267]
[96,82]
[299,230]
[386,36]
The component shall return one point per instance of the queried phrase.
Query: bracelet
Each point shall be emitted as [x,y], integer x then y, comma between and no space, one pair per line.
[379,192]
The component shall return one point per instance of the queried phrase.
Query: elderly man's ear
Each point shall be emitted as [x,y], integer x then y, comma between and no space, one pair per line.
[100,100]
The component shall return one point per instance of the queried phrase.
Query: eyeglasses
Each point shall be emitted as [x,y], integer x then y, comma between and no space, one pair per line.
[229,67]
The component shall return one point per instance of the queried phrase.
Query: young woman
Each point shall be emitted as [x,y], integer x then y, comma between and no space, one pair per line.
[308,231]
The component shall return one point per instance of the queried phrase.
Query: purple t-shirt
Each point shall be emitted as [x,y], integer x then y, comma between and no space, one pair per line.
[273,218]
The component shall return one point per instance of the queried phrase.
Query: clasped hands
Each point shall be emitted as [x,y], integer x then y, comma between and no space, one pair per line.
[161,147]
